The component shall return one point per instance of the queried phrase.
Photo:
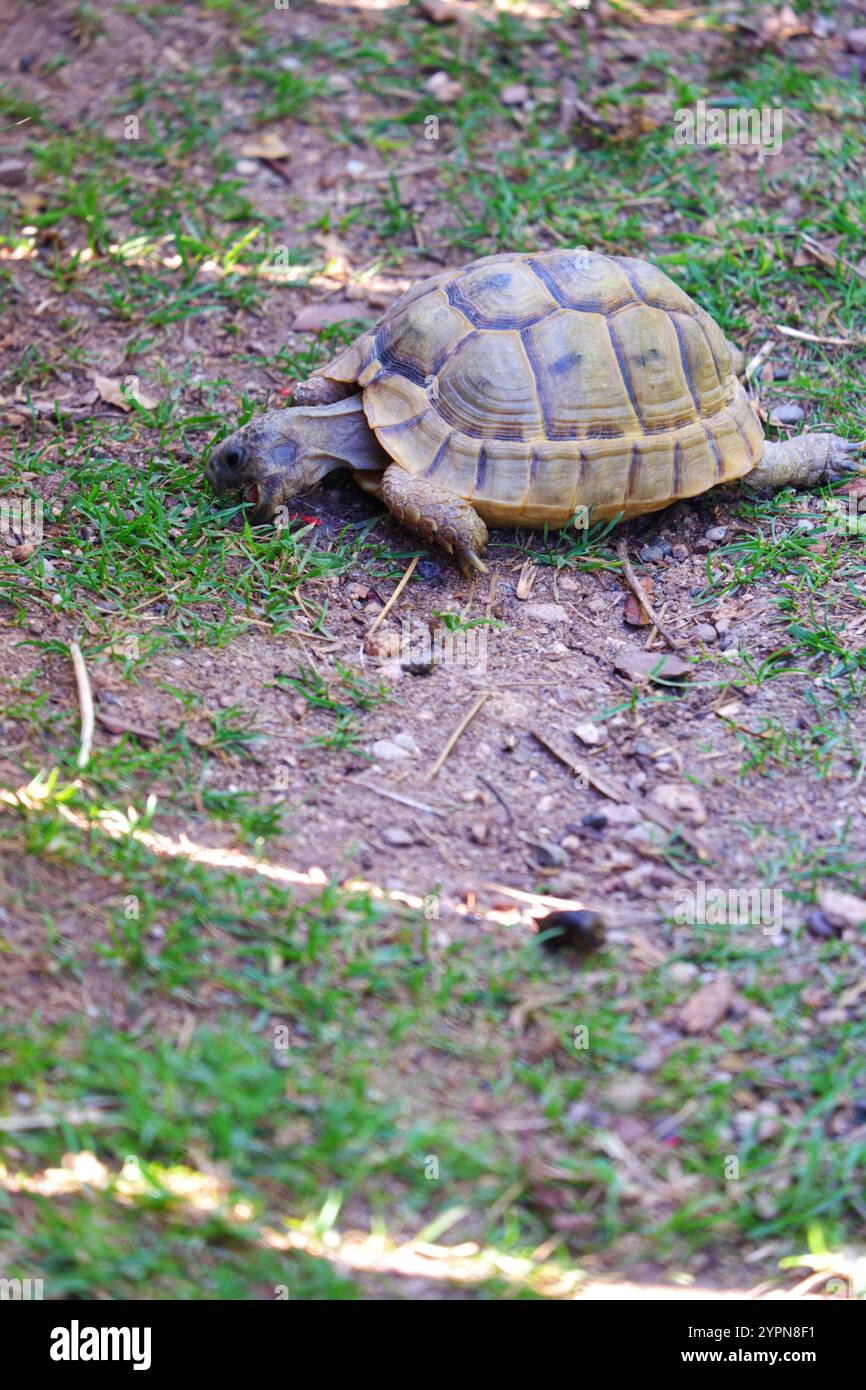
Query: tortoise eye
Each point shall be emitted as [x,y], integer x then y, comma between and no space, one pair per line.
[232,457]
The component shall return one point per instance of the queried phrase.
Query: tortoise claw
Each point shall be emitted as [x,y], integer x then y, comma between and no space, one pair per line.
[470,563]
[840,460]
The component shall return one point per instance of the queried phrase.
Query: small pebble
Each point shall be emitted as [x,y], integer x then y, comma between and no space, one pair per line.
[705,632]
[397,835]
[682,972]
[650,1059]
[549,856]
[514,95]
[590,733]
[818,925]
[786,414]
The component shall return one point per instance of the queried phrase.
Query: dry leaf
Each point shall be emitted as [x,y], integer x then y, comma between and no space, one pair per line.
[841,909]
[122,391]
[443,87]
[439,11]
[528,575]
[634,613]
[515,94]
[707,1007]
[268,144]
[324,313]
[777,28]
[681,800]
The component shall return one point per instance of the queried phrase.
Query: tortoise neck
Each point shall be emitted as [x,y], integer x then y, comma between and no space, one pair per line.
[339,435]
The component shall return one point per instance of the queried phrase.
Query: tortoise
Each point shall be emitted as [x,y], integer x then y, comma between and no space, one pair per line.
[525,390]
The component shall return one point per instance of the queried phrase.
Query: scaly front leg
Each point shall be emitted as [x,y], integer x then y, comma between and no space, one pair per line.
[437,514]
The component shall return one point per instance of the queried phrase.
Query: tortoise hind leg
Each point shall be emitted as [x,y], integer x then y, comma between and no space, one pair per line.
[437,514]
[805,461]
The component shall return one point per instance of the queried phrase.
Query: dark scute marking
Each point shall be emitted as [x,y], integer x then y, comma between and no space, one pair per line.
[534,462]
[481,468]
[646,359]
[543,274]
[478,319]
[402,424]
[632,279]
[676,486]
[286,453]
[714,450]
[456,300]
[709,344]
[593,305]
[684,360]
[571,434]
[746,445]
[626,374]
[438,457]
[691,309]
[447,412]
[566,363]
[500,280]
[447,353]
[392,363]
[538,378]
[633,470]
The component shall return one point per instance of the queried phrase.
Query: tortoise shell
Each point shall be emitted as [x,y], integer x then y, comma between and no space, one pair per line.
[533,385]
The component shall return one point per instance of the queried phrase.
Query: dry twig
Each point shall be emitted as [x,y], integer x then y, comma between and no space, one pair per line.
[638,591]
[85,704]
[461,728]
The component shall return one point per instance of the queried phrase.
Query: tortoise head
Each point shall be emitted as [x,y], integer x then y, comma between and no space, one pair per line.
[267,461]
[284,452]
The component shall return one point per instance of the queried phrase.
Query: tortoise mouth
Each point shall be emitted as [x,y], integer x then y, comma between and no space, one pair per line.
[252,494]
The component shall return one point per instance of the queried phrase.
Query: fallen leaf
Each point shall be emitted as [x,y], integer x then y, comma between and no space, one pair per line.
[443,87]
[841,909]
[681,800]
[707,1006]
[266,145]
[439,11]
[515,94]
[122,392]
[324,313]
[634,613]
